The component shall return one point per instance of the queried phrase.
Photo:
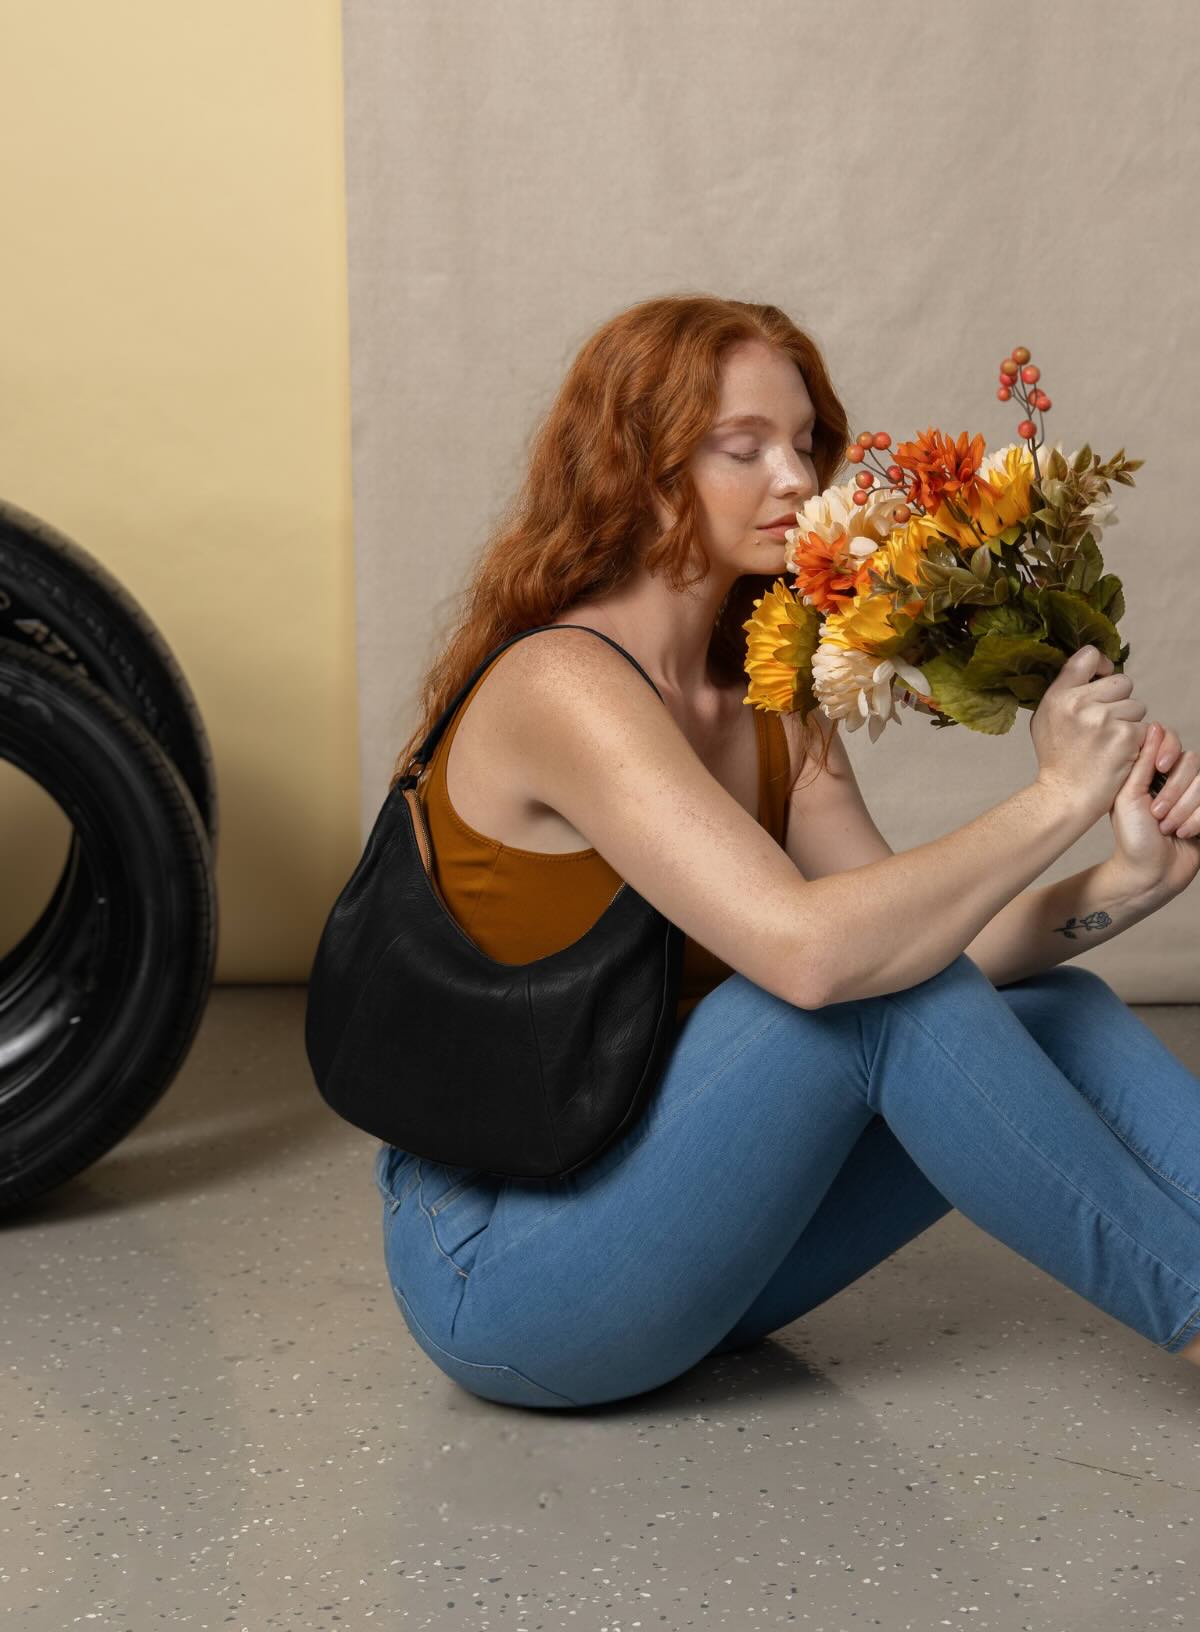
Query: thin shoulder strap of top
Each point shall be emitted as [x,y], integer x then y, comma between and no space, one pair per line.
[424,753]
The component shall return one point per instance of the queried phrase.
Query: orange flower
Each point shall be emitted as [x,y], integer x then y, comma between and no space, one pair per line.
[825,573]
[942,469]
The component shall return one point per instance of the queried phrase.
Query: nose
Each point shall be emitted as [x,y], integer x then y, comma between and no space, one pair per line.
[795,477]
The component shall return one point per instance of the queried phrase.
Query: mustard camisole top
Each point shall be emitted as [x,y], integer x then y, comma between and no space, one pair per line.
[518,905]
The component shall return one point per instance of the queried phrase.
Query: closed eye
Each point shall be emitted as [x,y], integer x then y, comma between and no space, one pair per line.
[742,457]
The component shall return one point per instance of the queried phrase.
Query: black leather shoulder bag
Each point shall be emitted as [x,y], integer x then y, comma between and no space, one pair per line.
[422,1040]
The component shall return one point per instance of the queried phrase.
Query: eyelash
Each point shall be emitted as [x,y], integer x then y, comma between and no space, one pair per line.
[743,457]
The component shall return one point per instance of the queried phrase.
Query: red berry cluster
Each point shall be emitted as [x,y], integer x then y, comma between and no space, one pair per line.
[1017,366]
[857,451]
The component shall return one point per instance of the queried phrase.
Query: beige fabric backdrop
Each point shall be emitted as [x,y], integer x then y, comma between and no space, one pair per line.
[923,187]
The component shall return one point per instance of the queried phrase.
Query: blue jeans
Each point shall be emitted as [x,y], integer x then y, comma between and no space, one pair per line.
[786,1152]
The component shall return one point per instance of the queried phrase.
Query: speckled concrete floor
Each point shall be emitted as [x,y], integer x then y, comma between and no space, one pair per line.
[213,1416]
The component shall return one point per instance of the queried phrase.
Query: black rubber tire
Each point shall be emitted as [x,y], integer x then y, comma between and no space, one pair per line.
[58,599]
[99,1006]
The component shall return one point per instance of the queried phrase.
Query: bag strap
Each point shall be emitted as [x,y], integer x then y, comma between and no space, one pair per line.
[423,754]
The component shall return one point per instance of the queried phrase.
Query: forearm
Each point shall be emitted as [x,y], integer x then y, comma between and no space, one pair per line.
[1040,928]
[892,923]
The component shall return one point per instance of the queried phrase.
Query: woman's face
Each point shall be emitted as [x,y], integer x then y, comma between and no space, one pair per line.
[750,474]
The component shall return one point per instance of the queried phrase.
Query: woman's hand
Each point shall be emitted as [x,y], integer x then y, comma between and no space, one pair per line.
[1159,853]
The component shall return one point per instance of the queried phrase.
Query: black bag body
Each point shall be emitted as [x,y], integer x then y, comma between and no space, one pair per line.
[418,1037]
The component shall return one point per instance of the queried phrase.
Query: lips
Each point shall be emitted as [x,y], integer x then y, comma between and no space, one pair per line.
[780,521]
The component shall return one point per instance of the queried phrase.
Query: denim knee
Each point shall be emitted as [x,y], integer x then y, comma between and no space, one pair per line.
[1074,981]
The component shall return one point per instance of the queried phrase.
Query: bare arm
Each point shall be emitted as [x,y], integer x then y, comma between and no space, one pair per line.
[601,749]
[1041,928]
[830,829]
[906,917]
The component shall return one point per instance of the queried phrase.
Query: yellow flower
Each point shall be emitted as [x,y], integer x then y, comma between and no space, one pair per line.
[795,658]
[781,637]
[1008,470]
[901,553]
[908,546]
[858,659]
[862,626]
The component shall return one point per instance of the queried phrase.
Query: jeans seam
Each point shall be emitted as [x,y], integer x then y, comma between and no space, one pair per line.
[432,1232]
[394,1200]
[410,1183]
[1182,1188]
[453,1194]
[479,1270]
[1182,1331]
[1089,976]
[1066,1177]
[875,1052]
[716,1071]
[406,1189]
[1193,1320]
[479,1365]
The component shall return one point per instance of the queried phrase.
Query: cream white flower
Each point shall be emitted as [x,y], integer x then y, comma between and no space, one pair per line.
[1046,449]
[854,686]
[1100,515]
[834,517]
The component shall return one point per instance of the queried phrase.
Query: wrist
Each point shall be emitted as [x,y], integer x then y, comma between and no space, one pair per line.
[1133,891]
[1065,805]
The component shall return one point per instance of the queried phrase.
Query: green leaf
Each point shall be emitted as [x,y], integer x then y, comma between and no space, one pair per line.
[1107,596]
[1083,459]
[1073,622]
[1012,619]
[1027,688]
[991,712]
[1087,565]
[901,622]
[981,563]
[997,658]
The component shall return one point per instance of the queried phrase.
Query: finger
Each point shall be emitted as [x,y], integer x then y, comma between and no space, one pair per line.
[1169,751]
[1177,783]
[1181,815]
[1137,779]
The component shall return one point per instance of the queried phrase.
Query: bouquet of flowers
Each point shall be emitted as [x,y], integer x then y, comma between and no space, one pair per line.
[943,581]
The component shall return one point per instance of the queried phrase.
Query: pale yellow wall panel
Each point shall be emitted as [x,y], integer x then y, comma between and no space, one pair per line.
[175,361]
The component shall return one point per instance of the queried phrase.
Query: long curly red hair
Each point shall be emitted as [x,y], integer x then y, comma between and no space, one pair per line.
[637,400]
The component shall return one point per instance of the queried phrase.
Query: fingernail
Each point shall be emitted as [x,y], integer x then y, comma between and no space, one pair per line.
[1159,808]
